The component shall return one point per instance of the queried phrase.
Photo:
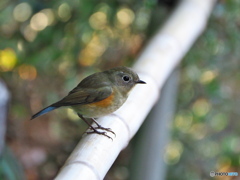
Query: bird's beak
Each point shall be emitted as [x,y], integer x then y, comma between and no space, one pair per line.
[141,82]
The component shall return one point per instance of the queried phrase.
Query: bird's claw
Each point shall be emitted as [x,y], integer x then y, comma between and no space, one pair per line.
[106,129]
[99,132]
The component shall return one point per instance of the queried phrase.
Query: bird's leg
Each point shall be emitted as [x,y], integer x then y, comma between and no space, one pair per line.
[103,128]
[94,130]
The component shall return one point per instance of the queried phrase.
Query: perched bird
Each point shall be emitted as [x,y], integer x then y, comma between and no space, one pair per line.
[98,95]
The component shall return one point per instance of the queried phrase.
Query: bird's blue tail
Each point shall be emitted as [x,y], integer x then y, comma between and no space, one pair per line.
[44,111]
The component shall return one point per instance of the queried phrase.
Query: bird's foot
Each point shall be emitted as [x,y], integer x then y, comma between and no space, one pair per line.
[105,129]
[94,130]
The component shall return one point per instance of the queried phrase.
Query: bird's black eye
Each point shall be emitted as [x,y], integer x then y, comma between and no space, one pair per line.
[126,78]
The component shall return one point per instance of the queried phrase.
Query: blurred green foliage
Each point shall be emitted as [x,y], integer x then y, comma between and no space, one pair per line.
[47,47]
[207,120]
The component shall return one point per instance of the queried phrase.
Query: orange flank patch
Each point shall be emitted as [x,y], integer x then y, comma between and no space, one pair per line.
[104,103]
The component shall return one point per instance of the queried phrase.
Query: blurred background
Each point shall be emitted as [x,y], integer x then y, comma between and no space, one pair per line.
[47,47]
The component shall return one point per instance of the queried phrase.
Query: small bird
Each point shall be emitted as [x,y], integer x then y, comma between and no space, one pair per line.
[98,95]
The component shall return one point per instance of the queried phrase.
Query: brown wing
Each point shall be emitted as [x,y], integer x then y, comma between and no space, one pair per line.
[94,81]
[85,96]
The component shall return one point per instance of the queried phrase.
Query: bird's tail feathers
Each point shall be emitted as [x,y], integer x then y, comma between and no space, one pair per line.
[44,111]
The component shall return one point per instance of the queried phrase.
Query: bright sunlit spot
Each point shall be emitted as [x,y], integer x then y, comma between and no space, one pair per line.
[64,12]
[39,21]
[8,59]
[183,121]
[125,17]
[27,72]
[201,107]
[29,33]
[22,12]
[20,45]
[208,76]
[173,152]
[98,20]
[50,16]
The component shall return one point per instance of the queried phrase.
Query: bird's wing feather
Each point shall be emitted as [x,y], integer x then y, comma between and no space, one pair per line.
[85,96]
[94,81]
